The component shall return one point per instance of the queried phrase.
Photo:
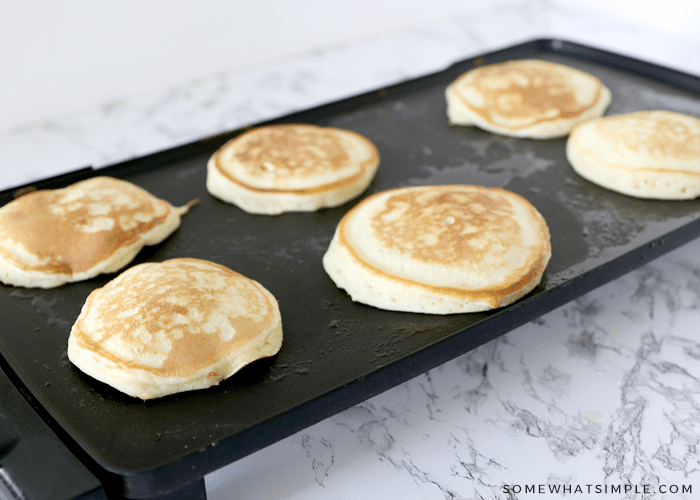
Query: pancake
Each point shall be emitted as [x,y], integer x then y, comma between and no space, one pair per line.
[439,249]
[526,98]
[179,325]
[52,237]
[292,168]
[646,154]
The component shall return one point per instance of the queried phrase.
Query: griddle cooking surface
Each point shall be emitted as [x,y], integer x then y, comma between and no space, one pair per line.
[337,353]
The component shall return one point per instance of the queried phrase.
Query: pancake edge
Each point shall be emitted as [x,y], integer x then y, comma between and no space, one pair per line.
[644,182]
[372,286]
[13,276]
[152,386]
[460,114]
[277,201]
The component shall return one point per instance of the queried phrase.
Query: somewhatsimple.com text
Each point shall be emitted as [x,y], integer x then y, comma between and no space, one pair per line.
[600,489]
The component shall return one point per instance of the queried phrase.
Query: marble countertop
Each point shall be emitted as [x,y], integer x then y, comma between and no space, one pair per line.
[601,393]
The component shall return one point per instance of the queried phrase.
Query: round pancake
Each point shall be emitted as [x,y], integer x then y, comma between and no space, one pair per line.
[526,98]
[52,237]
[179,325]
[645,154]
[439,249]
[292,168]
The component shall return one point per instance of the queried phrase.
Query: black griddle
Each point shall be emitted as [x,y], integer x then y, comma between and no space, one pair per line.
[336,353]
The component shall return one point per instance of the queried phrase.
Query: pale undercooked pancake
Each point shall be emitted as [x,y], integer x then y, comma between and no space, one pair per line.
[526,98]
[179,325]
[646,154]
[52,237]
[439,249]
[292,168]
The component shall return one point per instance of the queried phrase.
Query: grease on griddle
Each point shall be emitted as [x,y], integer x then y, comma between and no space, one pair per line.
[45,308]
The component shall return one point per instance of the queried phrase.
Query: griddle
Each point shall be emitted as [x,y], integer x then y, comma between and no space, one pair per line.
[336,353]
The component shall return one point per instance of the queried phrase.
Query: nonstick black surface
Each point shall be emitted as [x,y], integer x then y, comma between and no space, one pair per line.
[337,353]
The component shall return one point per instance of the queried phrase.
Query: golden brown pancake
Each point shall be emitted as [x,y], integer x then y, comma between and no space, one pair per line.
[52,237]
[646,154]
[179,325]
[439,249]
[292,168]
[526,98]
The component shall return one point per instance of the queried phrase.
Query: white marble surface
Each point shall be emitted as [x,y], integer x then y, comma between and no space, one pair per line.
[601,392]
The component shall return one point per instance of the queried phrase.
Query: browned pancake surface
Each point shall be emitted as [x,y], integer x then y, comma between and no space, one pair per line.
[177,325]
[74,230]
[285,158]
[526,98]
[439,249]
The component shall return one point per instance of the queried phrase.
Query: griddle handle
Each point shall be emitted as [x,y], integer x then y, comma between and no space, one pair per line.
[192,491]
[34,463]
